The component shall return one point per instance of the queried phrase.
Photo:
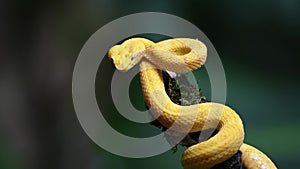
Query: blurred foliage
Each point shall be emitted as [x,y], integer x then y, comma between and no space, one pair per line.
[7,160]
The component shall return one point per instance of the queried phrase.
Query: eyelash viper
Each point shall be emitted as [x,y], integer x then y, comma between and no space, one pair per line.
[185,55]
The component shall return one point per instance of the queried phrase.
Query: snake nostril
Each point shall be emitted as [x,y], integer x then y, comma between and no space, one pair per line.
[132,57]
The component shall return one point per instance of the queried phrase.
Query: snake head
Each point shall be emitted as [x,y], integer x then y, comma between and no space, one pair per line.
[128,54]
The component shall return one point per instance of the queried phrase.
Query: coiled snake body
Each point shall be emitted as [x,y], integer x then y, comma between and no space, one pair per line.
[184,55]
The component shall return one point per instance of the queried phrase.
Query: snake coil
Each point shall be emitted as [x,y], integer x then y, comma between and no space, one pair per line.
[185,55]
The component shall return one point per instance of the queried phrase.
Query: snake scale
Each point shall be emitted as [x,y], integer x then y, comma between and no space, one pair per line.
[185,55]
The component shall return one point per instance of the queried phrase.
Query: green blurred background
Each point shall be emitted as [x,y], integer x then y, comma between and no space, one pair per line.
[257,42]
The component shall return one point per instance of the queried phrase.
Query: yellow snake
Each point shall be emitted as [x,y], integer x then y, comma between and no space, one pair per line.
[184,55]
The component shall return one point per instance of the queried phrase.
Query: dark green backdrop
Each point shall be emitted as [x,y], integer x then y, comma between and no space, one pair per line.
[257,42]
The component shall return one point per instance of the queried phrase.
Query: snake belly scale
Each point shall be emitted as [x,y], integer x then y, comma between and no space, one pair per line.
[185,55]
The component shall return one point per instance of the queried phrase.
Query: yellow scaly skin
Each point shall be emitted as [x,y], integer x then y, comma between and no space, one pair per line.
[184,55]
